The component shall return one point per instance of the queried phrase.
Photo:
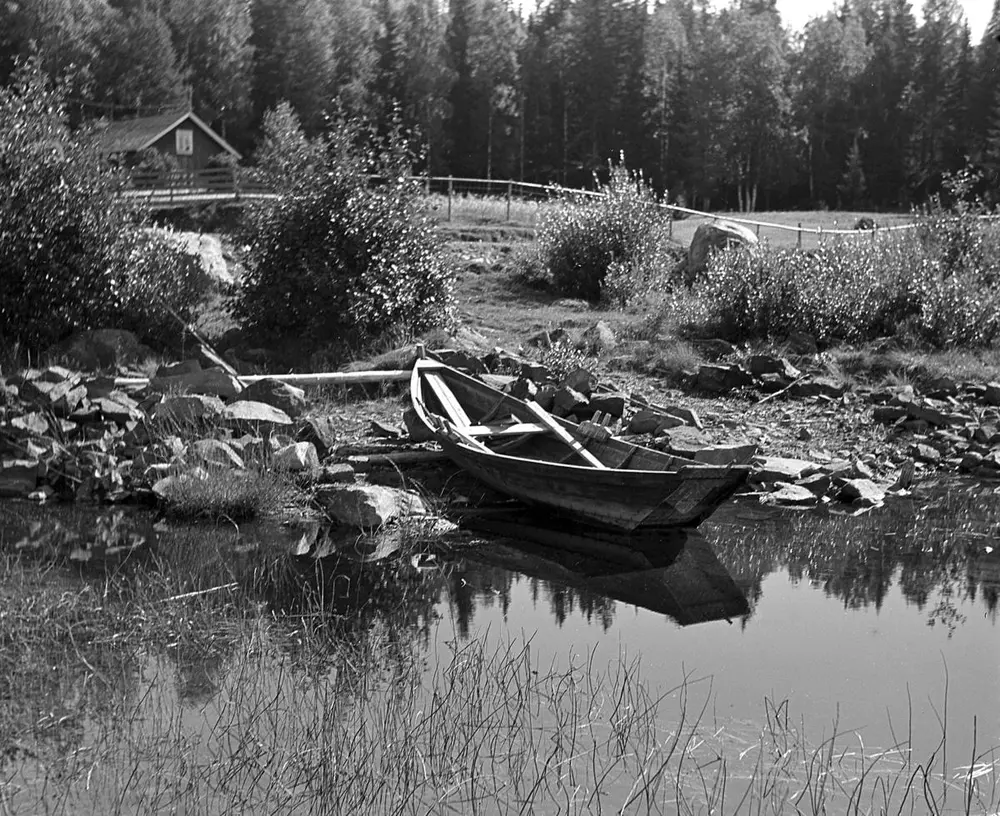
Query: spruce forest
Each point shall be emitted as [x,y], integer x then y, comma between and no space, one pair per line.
[869,107]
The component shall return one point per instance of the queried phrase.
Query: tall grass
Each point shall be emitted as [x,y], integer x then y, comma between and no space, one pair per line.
[161,690]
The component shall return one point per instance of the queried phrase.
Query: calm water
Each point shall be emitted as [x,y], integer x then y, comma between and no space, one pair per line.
[883,623]
[865,620]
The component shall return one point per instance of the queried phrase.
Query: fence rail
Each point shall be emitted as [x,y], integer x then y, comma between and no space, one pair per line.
[177,188]
[166,188]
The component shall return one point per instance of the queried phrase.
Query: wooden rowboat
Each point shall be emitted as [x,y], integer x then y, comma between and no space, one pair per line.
[521,450]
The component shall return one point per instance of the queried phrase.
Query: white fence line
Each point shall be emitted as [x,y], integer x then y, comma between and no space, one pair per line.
[509,186]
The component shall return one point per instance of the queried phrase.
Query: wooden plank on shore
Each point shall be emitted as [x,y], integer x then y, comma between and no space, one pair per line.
[327,378]
[548,420]
[399,458]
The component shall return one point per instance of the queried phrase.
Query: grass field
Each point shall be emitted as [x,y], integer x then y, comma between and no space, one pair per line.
[782,228]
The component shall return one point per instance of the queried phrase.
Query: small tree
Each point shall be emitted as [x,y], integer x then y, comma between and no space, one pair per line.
[73,254]
[343,257]
[853,187]
[612,245]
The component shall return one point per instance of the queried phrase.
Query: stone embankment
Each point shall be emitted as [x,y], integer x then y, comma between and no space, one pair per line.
[73,436]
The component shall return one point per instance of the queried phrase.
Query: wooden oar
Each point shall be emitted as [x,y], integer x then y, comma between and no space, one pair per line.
[548,420]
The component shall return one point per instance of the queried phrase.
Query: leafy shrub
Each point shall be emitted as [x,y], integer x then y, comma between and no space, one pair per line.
[562,358]
[907,284]
[337,261]
[73,252]
[611,246]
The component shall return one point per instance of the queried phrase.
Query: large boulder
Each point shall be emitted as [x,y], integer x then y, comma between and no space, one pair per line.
[367,506]
[711,236]
[206,255]
[277,394]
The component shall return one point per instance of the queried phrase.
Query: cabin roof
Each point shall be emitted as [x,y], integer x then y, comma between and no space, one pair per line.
[132,135]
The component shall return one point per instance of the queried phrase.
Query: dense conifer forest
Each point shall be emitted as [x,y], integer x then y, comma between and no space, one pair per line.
[868,107]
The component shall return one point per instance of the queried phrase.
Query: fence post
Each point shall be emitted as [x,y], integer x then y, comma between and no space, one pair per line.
[451,189]
[510,192]
[798,243]
[670,225]
[758,232]
[427,186]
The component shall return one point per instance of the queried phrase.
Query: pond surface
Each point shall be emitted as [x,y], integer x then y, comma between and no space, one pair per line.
[881,626]
[884,623]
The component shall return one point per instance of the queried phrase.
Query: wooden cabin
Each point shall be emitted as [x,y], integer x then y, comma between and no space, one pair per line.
[182,136]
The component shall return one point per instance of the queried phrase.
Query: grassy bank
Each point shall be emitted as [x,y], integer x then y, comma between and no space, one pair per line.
[188,684]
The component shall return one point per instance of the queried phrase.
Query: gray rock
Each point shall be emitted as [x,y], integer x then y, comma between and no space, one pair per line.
[790,494]
[461,360]
[711,237]
[925,453]
[862,492]
[819,387]
[992,393]
[246,416]
[288,398]
[535,372]
[599,338]
[888,414]
[781,469]
[119,410]
[296,457]
[645,421]
[214,452]
[817,484]
[668,423]
[718,379]
[684,441]
[736,454]
[582,380]
[339,472]
[523,389]
[205,255]
[760,364]
[367,506]
[568,401]
[687,415]
[187,408]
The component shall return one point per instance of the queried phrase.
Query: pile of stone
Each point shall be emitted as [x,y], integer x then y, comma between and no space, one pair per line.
[95,437]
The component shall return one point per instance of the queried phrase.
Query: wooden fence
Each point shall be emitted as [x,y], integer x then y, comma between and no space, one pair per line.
[181,188]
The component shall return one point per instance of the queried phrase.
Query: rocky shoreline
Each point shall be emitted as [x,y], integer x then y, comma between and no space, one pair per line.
[810,440]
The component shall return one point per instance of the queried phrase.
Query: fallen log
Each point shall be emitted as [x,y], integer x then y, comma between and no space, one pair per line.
[328,378]
[363,462]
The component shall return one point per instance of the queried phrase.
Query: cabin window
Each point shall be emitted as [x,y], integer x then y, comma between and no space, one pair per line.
[184,142]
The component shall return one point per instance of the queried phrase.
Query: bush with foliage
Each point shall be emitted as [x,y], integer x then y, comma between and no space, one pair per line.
[611,246]
[339,261]
[73,251]
[912,285]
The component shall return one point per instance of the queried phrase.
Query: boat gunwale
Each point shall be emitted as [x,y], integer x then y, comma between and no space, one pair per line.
[695,469]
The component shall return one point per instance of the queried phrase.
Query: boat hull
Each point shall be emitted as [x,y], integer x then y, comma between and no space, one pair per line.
[619,499]
[632,486]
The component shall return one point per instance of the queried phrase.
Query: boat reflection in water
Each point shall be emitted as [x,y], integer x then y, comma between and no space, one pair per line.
[672,571]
